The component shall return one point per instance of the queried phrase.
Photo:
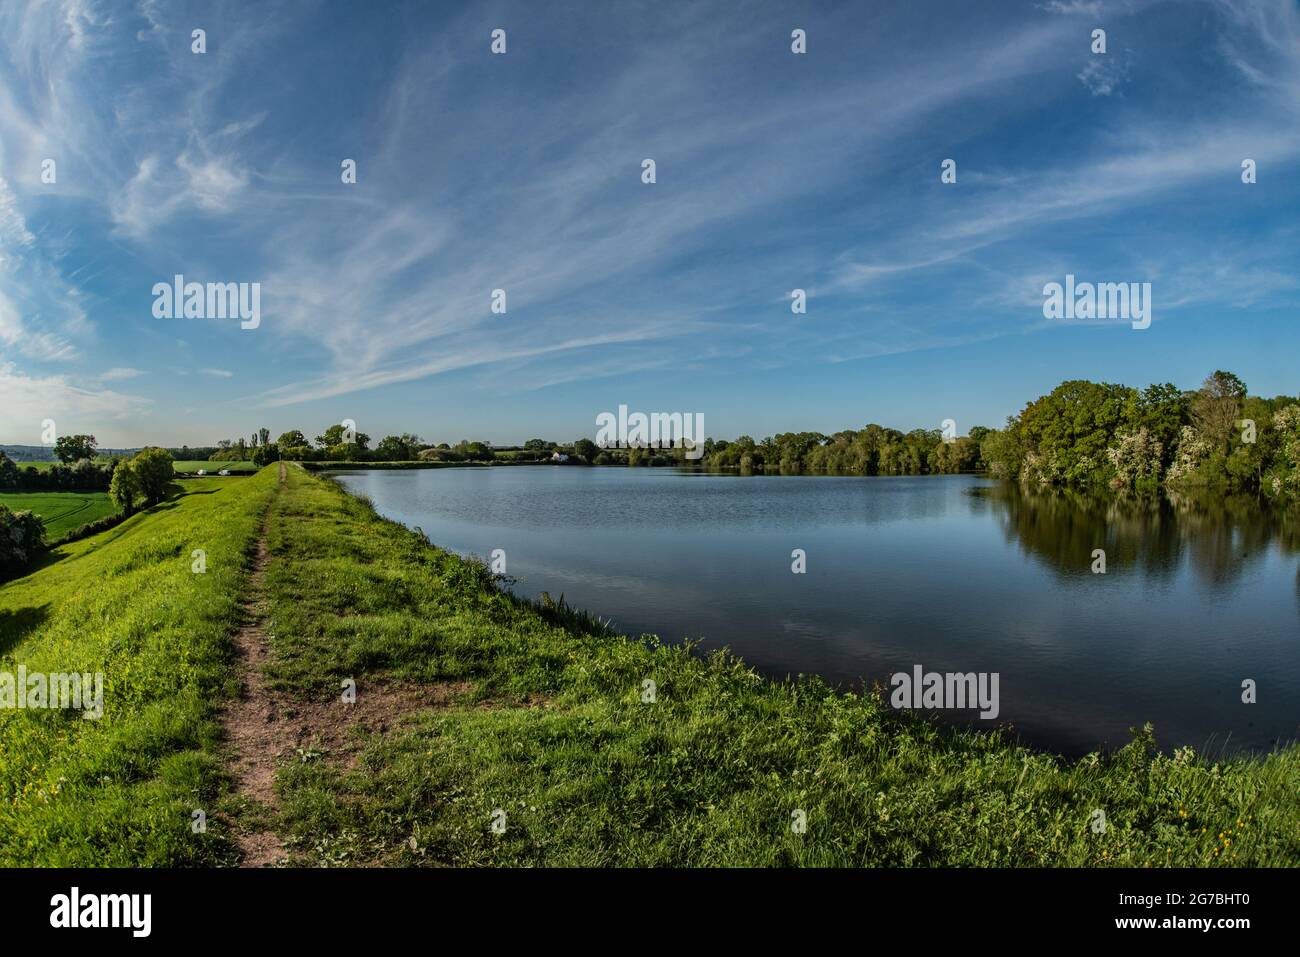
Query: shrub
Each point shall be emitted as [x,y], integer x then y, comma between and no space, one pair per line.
[21,536]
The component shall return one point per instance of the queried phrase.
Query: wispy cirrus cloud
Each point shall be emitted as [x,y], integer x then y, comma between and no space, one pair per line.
[522,173]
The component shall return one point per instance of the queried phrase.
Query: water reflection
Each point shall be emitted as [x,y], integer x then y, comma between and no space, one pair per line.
[1221,537]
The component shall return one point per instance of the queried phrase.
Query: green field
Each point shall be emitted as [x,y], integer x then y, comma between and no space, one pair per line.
[62,511]
[46,466]
[534,711]
[193,465]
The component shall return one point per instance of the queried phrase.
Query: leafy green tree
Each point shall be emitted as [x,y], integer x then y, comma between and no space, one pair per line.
[291,439]
[125,489]
[537,445]
[1002,453]
[1162,410]
[960,455]
[1066,433]
[295,453]
[70,448]
[265,454]
[398,448]
[334,435]
[475,451]
[345,452]
[153,466]
[587,449]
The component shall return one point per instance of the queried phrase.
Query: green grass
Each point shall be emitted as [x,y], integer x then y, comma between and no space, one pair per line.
[62,511]
[121,790]
[546,722]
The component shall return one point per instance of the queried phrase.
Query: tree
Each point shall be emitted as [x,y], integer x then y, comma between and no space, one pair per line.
[153,466]
[1217,407]
[265,453]
[125,489]
[398,448]
[344,452]
[1162,410]
[291,439]
[334,436]
[70,448]
[263,436]
[475,451]
[1285,474]
[1065,433]
[536,445]
[1136,458]
[586,448]
[8,472]
[295,453]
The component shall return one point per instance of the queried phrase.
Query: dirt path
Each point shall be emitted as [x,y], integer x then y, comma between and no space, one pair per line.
[264,728]
[255,736]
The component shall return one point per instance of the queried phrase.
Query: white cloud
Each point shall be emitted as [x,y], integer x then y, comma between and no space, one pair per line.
[1103,74]
[28,400]
[34,344]
[119,373]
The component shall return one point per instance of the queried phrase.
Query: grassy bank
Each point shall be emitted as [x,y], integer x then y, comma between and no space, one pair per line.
[537,714]
[121,790]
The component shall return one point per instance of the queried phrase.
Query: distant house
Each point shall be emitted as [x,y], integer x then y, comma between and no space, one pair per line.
[201,472]
[224,472]
[559,457]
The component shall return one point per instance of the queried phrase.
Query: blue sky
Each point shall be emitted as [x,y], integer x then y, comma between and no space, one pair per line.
[522,171]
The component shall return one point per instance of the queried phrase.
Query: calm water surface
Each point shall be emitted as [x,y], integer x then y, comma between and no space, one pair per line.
[955,573]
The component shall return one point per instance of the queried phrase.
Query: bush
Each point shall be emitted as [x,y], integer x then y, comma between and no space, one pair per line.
[21,537]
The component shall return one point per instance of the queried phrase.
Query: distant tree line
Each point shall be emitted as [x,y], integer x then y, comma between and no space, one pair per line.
[871,450]
[1081,435]
[337,445]
[83,475]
